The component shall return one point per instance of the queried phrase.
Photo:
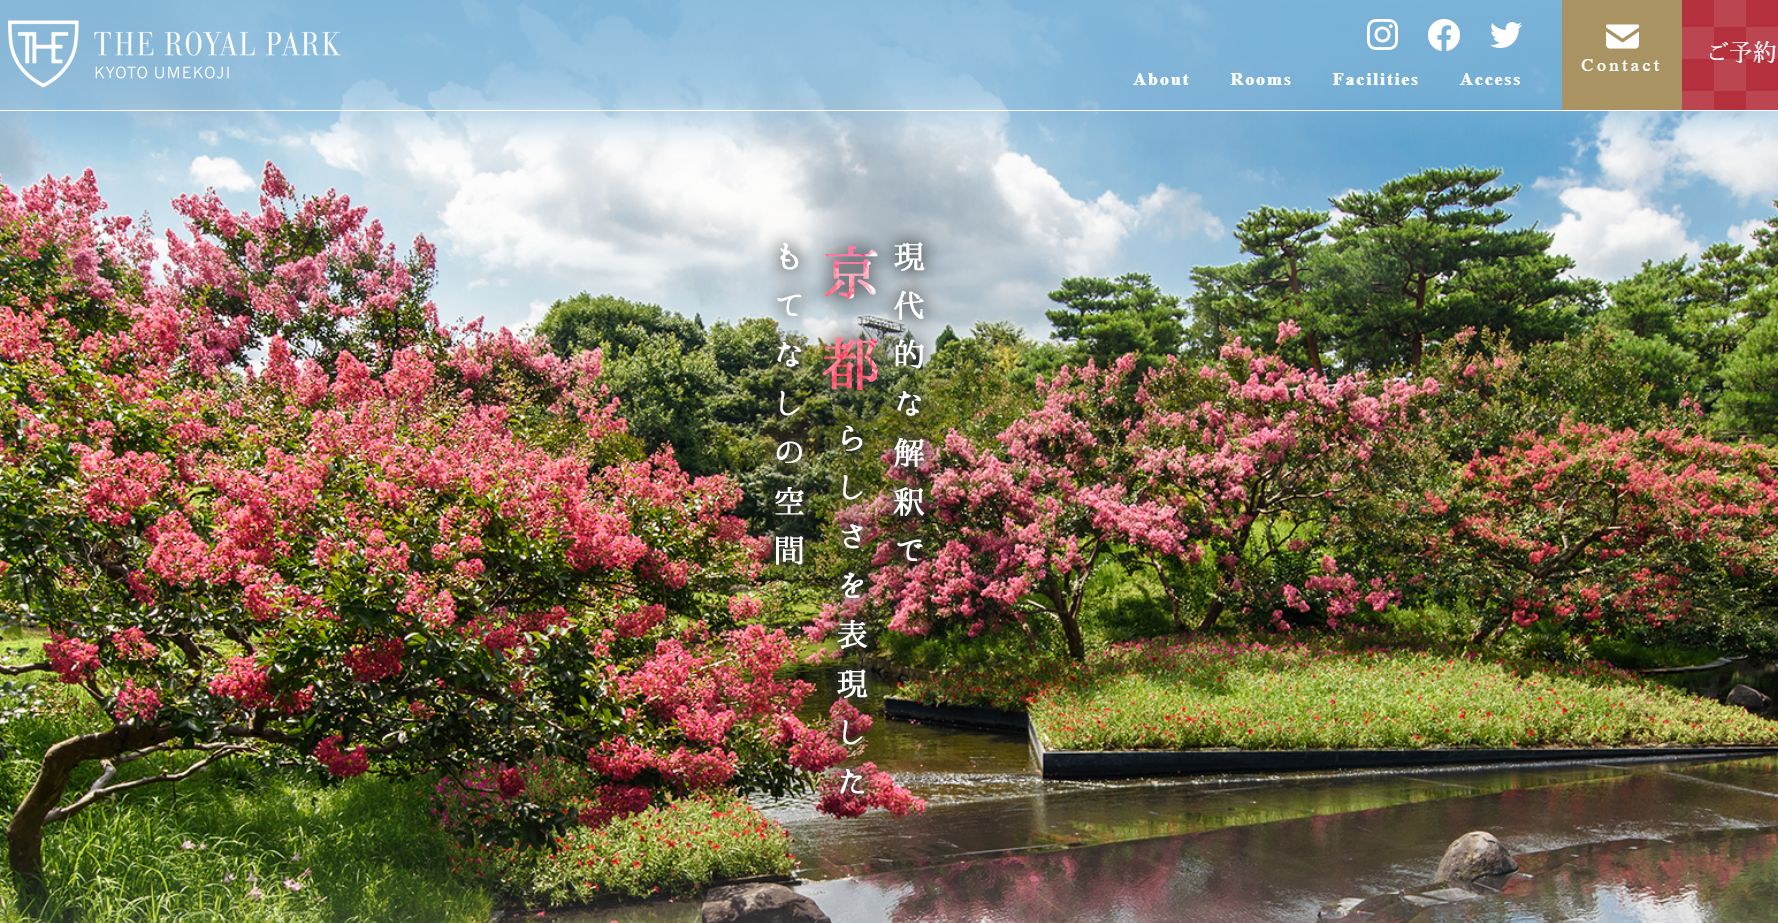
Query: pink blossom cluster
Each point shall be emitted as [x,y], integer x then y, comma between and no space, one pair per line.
[868,788]
[72,659]
[1223,463]
[140,703]
[376,661]
[1588,522]
[611,801]
[244,681]
[133,644]
[340,762]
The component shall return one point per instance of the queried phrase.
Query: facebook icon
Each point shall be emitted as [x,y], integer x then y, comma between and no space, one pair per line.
[42,48]
[1444,35]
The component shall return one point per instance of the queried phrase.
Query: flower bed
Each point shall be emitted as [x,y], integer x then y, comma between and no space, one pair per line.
[1308,697]
[678,848]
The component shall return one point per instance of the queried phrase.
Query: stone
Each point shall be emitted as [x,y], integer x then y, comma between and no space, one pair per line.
[1383,908]
[1451,895]
[1474,855]
[759,903]
[1338,910]
[1749,698]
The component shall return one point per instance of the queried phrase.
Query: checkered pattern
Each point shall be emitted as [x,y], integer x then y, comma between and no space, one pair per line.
[1728,84]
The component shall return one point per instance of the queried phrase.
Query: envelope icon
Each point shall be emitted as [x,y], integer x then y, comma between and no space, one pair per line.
[1623,36]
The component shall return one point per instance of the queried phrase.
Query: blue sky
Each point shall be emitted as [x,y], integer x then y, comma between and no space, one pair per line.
[687,206]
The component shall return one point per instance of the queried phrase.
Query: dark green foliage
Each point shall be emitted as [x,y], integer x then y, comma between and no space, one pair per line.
[614,324]
[1404,267]
[1750,382]
[1102,319]
[1279,282]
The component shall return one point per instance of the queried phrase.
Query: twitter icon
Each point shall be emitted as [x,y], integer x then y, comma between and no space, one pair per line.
[1505,36]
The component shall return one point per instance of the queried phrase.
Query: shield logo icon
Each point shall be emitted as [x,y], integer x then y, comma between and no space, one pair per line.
[43,48]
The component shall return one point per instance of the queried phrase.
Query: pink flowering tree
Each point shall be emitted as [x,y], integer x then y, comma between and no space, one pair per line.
[1009,533]
[1247,466]
[1587,527]
[1235,470]
[262,501]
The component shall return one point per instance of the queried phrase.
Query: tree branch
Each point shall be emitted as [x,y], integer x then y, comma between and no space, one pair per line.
[101,788]
[14,669]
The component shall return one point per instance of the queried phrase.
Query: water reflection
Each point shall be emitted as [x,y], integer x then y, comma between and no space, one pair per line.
[998,843]
[1727,876]
[1286,870]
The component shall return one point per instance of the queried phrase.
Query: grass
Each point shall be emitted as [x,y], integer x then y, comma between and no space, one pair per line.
[242,841]
[1312,696]
[244,844]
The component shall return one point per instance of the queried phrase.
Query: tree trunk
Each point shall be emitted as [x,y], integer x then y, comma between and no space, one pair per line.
[1212,612]
[1491,628]
[1065,602]
[1312,343]
[1077,645]
[1160,574]
[24,835]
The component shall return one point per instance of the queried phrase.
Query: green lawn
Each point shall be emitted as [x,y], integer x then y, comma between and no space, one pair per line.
[240,841]
[1311,696]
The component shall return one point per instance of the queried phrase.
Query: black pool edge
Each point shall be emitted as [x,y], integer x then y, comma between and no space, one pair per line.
[1125,764]
[961,716]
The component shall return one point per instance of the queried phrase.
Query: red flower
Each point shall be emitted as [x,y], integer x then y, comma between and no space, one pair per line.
[376,661]
[342,764]
[133,701]
[511,783]
[73,659]
[244,681]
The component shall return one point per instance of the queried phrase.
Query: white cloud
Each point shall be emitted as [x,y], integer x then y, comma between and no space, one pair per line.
[1610,232]
[1743,233]
[222,173]
[1611,224]
[1734,149]
[690,211]
[1630,153]
[536,312]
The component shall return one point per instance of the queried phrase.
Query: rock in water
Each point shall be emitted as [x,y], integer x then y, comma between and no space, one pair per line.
[759,903]
[1474,855]
[1749,698]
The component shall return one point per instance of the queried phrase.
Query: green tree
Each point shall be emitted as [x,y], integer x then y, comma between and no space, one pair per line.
[1750,382]
[666,392]
[1719,305]
[1642,319]
[1103,319]
[1251,298]
[1436,258]
[657,363]
[618,325]
[1684,321]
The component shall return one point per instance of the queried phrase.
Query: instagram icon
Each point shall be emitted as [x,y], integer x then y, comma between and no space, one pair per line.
[1382,34]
